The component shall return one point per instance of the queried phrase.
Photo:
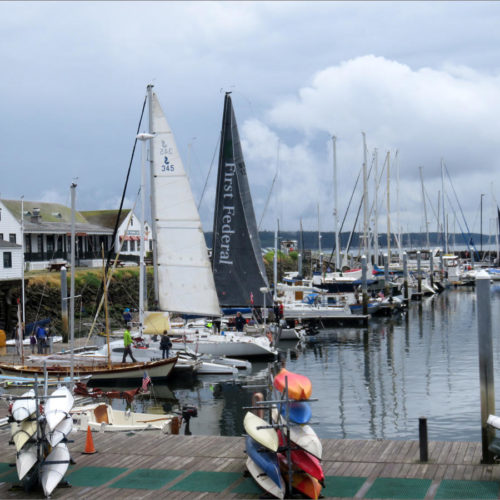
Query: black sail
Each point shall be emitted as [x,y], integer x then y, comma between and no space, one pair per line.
[238,266]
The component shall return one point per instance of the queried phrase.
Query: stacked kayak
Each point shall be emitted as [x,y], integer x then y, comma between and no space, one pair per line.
[42,456]
[286,451]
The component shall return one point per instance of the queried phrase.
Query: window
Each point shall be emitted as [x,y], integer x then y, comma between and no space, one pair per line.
[132,245]
[12,237]
[1,237]
[131,220]
[7,259]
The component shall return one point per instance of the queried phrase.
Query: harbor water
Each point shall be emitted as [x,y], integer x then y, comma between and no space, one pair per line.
[370,382]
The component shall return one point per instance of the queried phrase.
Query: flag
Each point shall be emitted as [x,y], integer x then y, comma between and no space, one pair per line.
[251,298]
[145,382]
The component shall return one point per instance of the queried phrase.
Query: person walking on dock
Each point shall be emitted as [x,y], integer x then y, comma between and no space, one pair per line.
[165,344]
[127,343]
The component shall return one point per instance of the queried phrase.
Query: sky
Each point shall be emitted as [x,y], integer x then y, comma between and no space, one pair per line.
[420,79]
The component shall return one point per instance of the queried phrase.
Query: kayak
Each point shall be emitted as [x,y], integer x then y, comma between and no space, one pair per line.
[58,406]
[299,386]
[304,461]
[266,460]
[22,432]
[302,435]
[54,467]
[264,481]
[299,412]
[24,406]
[266,437]
[301,481]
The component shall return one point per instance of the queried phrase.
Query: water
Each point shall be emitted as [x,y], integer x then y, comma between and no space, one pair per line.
[370,383]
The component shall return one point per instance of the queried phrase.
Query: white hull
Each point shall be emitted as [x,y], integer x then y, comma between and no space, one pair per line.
[58,407]
[25,460]
[23,408]
[52,473]
[263,480]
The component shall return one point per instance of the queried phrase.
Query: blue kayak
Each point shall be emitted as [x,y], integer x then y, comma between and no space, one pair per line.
[300,412]
[266,460]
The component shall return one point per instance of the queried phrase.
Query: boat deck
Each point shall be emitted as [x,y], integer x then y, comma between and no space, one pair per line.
[153,465]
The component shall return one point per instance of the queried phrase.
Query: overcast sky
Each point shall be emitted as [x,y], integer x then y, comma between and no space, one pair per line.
[419,78]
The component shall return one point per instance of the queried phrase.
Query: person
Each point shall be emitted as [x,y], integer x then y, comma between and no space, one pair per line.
[127,316]
[165,344]
[276,311]
[127,343]
[240,322]
[41,336]
[46,344]
[33,342]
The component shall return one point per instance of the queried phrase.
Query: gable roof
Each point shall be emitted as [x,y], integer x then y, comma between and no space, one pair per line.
[105,218]
[8,244]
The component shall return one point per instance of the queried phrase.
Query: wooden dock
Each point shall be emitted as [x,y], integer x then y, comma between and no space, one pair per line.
[153,465]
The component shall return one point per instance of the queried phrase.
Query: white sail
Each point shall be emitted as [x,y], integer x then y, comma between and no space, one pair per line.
[185,279]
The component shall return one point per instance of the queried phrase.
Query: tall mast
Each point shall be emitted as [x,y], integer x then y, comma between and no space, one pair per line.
[319,246]
[425,207]
[375,221]
[398,223]
[24,249]
[336,205]
[72,287]
[152,198]
[389,206]
[365,201]
[275,262]
[301,250]
[445,231]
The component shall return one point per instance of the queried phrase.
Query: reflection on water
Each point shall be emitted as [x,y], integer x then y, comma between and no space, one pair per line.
[370,383]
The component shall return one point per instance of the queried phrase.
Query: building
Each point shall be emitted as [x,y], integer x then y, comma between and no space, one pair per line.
[11,273]
[128,236]
[47,233]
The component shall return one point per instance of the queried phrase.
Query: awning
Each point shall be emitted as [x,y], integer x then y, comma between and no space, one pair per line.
[131,238]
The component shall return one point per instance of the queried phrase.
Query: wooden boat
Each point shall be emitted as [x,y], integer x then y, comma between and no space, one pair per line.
[101,416]
[299,412]
[54,467]
[263,480]
[157,370]
[299,386]
[303,460]
[302,435]
[24,406]
[266,460]
[26,459]
[62,429]
[265,436]
[22,432]
[58,406]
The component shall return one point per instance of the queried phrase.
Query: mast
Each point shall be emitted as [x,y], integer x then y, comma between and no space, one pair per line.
[375,222]
[336,205]
[319,246]
[365,201]
[142,268]
[22,278]
[275,263]
[425,208]
[398,222]
[389,206]
[72,287]
[152,198]
[301,250]
[445,230]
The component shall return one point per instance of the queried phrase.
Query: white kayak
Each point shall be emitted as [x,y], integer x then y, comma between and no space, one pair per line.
[24,406]
[22,432]
[25,460]
[53,473]
[303,436]
[57,408]
[264,481]
[266,437]
[62,429]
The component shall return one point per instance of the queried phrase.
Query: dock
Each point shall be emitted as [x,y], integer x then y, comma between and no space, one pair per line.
[149,464]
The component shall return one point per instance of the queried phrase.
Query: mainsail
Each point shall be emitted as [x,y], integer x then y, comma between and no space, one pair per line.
[185,279]
[237,261]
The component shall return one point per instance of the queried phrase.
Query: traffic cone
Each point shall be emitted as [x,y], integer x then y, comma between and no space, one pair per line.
[89,444]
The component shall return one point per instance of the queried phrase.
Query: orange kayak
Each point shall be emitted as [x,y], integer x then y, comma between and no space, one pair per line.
[301,481]
[299,386]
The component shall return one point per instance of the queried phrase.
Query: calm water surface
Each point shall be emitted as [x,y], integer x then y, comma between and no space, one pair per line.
[370,383]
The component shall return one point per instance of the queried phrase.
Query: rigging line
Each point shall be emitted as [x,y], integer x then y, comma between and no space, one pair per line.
[117,222]
[270,190]
[209,172]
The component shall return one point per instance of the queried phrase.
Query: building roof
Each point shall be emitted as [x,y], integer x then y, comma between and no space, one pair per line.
[105,218]
[8,244]
[54,218]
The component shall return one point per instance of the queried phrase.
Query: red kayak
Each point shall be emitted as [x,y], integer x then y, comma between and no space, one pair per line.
[304,461]
[299,386]
[301,481]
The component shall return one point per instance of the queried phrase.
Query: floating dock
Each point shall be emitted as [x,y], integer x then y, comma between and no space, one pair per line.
[149,464]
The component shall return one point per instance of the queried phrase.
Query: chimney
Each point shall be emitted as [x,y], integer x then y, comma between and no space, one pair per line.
[35,216]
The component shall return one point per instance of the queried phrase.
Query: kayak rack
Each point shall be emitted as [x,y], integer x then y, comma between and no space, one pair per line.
[271,404]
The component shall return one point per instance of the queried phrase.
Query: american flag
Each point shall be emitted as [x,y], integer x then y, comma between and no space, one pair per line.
[146,380]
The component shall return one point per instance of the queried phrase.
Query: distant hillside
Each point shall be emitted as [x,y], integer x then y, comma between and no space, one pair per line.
[410,240]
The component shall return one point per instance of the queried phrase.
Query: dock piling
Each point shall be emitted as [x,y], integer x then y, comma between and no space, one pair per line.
[422,438]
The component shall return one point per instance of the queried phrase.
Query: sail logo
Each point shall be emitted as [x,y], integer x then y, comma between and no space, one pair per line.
[228,212]
[166,151]
[167,166]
